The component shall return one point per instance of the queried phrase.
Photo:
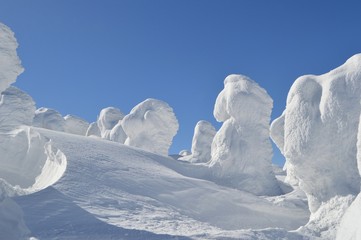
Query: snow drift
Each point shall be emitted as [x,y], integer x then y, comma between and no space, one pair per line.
[203,136]
[151,125]
[241,149]
[317,132]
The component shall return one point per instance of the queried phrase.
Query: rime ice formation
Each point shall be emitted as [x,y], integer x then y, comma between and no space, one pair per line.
[151,125]
[203,136]
[10,65]
[16,108]
[241,149]
[49,119]
[117,133]
[108,118]
[350,224]
[318,132]
[75,125]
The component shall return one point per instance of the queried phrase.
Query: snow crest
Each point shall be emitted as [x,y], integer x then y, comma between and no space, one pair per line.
[75,125]
[241,149]
[151,125]
[49,119]
[317,135]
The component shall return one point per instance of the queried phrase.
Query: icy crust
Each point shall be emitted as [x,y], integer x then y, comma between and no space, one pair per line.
[203,136]
[10,65]
[75,125]
[241,149]
[49,119]
[320,122]
[16,108]
[29,162]
[151,125]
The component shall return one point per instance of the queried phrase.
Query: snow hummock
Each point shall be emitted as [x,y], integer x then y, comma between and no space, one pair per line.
[50,119]
[318,132]
[151,125]
[10,65]
[203,136]
[241,149]
[75,125]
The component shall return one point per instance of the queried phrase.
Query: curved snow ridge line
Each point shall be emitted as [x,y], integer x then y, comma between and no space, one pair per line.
[29,161]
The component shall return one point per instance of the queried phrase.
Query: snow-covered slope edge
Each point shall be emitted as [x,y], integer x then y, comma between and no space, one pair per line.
[132,189]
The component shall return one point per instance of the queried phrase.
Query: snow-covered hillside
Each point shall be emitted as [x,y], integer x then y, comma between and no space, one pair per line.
[63,178]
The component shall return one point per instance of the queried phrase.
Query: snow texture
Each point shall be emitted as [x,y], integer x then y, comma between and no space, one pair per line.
[75,125]
[16,108]
[151,125]
[49,119]
[93,130]
[241,149]
[117,133]
[318,134]
[10,65]
[203,136]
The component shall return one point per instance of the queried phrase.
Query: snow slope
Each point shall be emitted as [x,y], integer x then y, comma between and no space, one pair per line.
[117,187]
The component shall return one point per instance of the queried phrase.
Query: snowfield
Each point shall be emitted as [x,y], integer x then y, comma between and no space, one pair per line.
[63,178]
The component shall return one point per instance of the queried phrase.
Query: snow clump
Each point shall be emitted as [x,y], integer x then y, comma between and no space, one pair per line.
[241,149]
[203,136]
[75,125]
[151,125]
[49,119]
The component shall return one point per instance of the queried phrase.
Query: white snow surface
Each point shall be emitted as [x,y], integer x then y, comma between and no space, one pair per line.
[75,125]
[319,134]
[241,149]
[151,125]
[204,133]
[10,65]
[109,188]
[50,119]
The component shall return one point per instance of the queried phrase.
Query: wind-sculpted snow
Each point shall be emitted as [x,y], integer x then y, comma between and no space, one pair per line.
[203,136]
[108,118]
[29,161]
[351,221]
[16,108]
[117,133]
[241,149]
[151,125]
[319,132]
[49,119]
[10,65]
[75,125]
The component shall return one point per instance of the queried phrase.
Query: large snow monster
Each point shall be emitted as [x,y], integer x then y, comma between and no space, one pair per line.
[317,132]
[151,125]
[241,149]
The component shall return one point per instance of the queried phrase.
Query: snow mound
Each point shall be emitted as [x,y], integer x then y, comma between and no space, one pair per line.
[29,162]
[350,224]
[117,133]
[75,125]
[203,136]
[10,65]
[241,149]
[317,135]
[151,125]
[16,108]
[49,119]
[93,130]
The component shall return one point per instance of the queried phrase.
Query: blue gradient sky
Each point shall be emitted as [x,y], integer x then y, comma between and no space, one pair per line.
[81,55]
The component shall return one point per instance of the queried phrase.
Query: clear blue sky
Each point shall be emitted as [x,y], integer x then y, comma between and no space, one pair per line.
[83,55]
